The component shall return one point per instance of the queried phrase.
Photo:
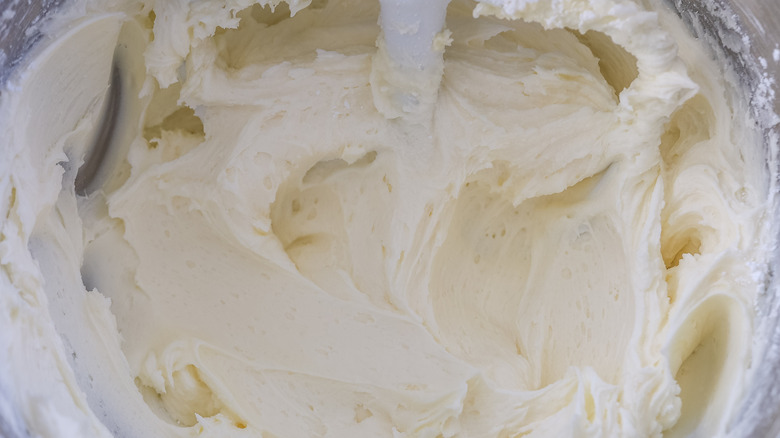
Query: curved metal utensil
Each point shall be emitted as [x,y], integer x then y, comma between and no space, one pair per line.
[96,153]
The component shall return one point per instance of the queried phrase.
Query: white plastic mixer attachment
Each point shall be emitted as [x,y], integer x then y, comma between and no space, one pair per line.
[408,65]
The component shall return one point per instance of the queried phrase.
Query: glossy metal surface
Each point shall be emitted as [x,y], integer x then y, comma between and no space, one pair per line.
[726,23]
[756,59]
[723,23]
[19,24]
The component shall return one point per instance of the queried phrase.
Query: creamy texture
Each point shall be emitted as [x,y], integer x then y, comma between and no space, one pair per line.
[568,243]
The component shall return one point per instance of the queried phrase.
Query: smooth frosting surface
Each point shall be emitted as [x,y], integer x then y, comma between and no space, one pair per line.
[568,243]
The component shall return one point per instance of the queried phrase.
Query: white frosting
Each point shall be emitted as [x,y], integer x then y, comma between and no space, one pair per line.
[568,243]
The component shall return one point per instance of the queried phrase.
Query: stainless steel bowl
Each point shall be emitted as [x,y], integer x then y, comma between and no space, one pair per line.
[20,22]
[744,34]
[756,61]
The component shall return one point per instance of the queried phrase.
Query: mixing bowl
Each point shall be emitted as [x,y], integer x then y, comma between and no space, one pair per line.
[743,34]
